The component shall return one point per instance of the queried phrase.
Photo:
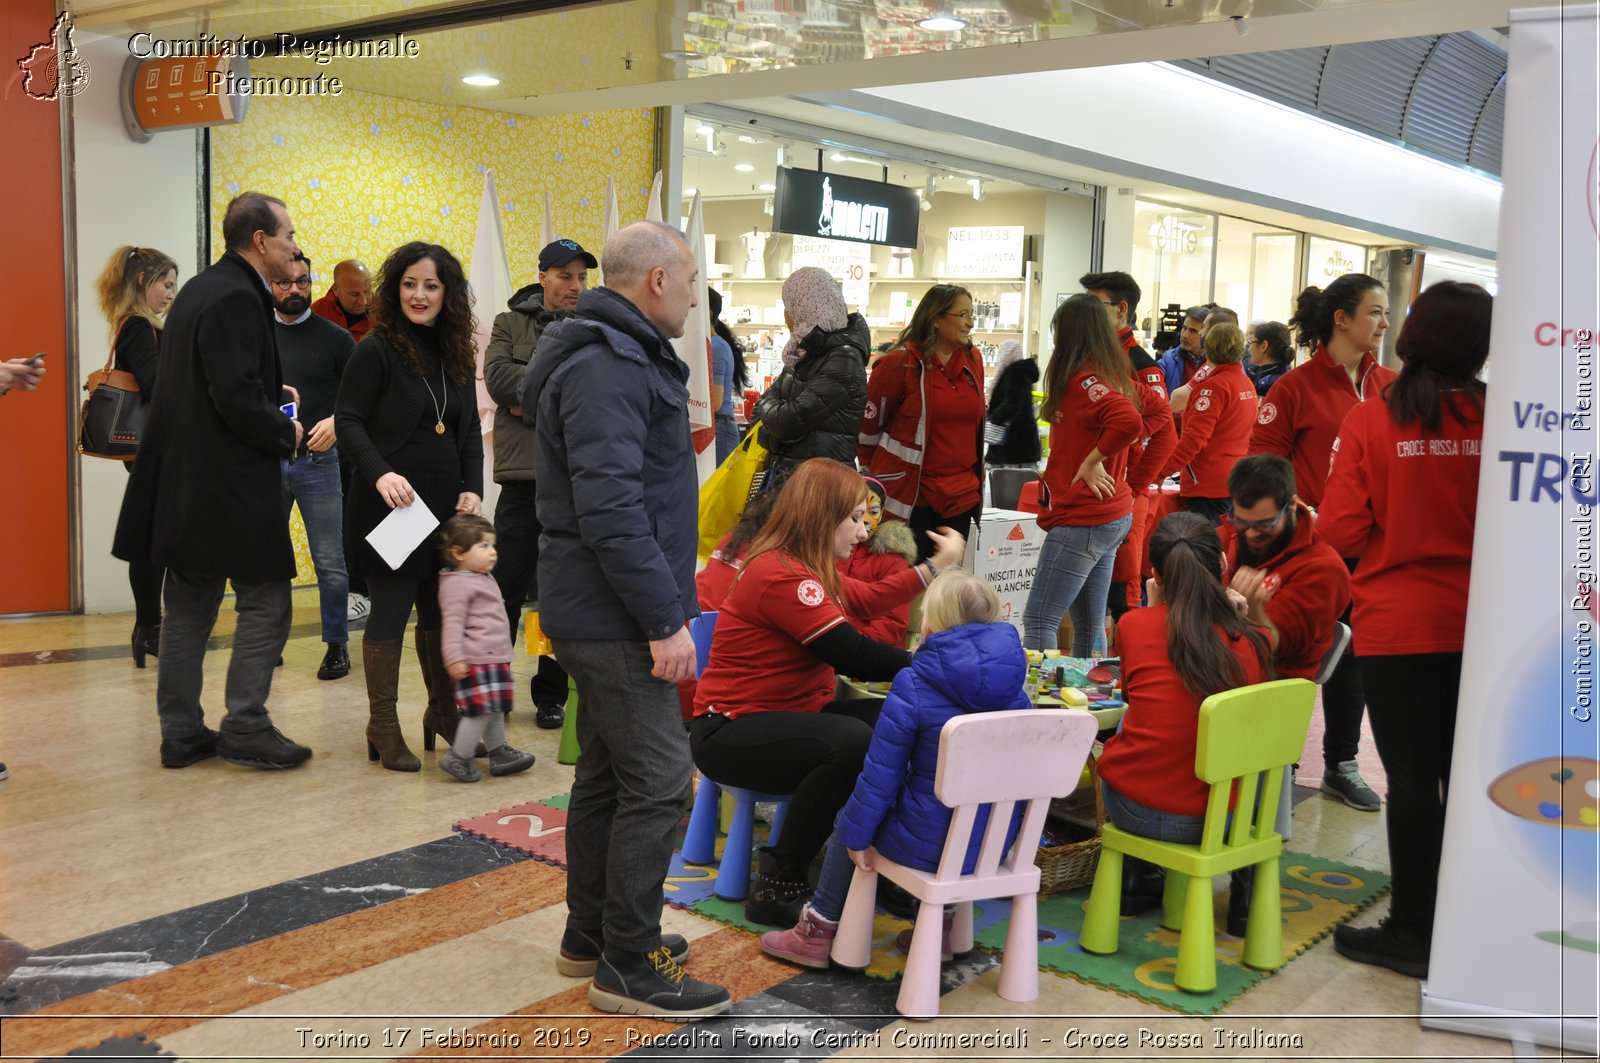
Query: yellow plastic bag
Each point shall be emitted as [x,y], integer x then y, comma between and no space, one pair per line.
[534,638]
[726,492]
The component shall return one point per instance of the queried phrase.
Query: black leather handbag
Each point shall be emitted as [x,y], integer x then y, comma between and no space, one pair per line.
[113,414]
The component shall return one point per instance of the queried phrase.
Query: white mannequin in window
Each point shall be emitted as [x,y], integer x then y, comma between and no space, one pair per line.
[755,247]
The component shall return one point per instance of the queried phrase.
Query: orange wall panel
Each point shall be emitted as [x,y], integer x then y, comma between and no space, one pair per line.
[36,447]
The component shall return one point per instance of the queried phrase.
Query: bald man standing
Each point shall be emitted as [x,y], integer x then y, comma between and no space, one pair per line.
[345,303]
[616,493]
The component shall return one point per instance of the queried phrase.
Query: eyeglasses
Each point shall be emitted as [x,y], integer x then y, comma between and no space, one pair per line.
[967,316]
[284,286]
[1257,525]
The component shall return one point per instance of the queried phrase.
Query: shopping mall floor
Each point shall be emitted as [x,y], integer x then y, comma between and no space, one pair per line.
[221,912]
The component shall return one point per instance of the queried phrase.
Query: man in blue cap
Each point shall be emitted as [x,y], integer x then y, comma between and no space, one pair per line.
[563,273]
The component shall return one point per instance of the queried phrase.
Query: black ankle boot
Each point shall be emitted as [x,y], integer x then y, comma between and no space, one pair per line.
[1239,884]
[1143,884]
[146,642]
[777,893]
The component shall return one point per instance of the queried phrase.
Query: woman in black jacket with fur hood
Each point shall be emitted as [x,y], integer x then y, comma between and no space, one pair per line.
[1011,429]
[814,408]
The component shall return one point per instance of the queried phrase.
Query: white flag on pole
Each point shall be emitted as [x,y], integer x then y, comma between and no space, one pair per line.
[695,349]
[652,209]
[549,226]
[490,281]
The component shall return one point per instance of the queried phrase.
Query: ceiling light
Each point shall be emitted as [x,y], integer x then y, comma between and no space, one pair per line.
[688,193]
[977,188]
[768,187]
[703,130]
[744,167]
[942,23]
[837,156]
[746,138]
[482,80]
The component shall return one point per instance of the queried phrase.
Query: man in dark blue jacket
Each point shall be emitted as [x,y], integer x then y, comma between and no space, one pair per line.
[616,494]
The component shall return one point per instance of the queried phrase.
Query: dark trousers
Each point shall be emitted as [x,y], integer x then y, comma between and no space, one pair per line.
[816,756]
[1211,509]
[1342,706]
[1413,703]
[517,529]
[628,792]
[192,601]
[924,519]
[145,579]
[358,583]
[392,599]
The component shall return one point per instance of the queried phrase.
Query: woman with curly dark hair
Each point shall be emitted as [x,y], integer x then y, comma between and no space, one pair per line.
[408,419]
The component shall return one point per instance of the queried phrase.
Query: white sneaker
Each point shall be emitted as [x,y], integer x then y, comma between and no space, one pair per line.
[358,609]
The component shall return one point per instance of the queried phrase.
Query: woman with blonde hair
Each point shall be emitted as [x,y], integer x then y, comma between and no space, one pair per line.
[922,433]
[764,713]
[135,289]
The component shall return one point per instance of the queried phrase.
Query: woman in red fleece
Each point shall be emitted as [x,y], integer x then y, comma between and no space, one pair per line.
[1097,411]
[1216,425]
[1402,495]
[1299,421]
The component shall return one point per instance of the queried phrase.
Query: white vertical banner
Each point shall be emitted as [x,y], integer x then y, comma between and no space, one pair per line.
[695,349]
[613,219]
[652,208]
[1516,941]
[490,281]
[549,225]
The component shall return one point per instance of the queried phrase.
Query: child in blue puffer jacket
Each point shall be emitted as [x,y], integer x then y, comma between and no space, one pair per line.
[968,662]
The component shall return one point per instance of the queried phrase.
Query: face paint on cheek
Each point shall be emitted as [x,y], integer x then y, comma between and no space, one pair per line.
[873,517]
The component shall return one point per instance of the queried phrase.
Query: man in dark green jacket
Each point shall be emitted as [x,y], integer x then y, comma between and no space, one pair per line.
[563,274]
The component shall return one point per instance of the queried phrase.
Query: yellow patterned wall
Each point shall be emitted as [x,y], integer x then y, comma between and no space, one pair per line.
[363,174]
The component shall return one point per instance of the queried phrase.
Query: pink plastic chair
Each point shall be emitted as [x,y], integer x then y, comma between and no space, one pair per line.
[996,758]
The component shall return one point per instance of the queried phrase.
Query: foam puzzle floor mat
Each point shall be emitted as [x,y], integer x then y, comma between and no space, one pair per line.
[1316,895]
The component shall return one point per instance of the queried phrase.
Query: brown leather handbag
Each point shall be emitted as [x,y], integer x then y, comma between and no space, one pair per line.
[113,414]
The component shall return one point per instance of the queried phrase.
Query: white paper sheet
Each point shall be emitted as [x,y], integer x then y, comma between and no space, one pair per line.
[399,533]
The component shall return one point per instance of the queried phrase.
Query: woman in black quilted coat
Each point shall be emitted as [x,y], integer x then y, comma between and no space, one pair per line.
[1010,428]
[814,408]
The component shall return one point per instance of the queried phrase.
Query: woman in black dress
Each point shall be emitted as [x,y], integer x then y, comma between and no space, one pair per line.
[135,289]
[408,419]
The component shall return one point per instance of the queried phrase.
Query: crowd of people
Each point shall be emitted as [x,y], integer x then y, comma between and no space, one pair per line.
[1295,509]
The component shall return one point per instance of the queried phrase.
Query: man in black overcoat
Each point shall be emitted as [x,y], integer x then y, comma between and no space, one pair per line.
[206,496]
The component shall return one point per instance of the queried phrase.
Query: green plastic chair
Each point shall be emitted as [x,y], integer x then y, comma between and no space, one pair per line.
[1248,737]
[567,752]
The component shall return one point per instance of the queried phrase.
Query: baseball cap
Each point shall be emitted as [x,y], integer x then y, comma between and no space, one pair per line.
[560,252]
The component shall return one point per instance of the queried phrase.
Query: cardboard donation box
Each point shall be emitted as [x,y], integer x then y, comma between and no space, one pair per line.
[1003,551]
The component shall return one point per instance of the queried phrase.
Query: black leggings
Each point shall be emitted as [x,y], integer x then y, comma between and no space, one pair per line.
[1411,700]
[392,599]
[816,756]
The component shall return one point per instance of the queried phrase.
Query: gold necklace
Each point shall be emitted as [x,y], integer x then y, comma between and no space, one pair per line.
[438,407]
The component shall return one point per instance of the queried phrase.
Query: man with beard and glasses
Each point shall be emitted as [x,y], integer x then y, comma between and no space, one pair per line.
[313,352]
[1296,585]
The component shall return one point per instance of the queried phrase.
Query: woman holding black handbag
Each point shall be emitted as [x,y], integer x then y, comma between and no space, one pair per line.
[408,417]
[135,289]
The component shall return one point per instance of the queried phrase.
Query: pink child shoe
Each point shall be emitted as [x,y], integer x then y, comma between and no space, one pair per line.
[807,943]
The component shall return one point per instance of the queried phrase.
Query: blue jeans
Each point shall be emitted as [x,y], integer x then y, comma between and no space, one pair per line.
[833,882]
[313,481]
[727,437]
[1149,822]
[1074,573]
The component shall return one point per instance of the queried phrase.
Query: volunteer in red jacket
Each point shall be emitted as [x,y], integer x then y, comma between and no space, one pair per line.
[922,433]
[1402,495]
[1296,584]
[1299,420]
[1216,425]
[765,715]
[1095,409]
[1120,293]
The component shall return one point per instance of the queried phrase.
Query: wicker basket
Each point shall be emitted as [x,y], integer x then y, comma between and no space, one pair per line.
[1067,867]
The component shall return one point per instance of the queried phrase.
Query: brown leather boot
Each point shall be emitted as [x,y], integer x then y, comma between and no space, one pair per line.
[380,659]
[442,715]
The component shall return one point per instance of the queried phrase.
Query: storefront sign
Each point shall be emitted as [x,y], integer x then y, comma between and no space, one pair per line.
[984,251]
[809,203]
[1174,236]
[1330,259]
